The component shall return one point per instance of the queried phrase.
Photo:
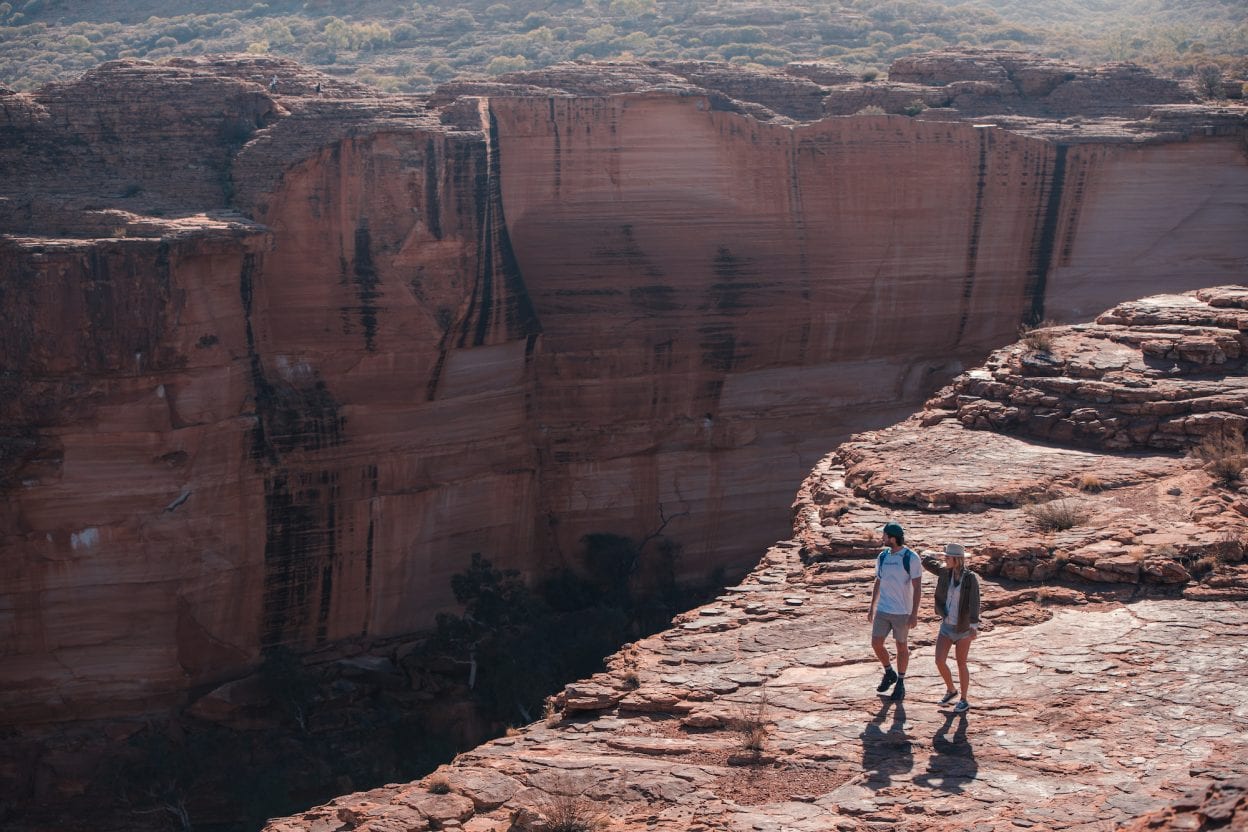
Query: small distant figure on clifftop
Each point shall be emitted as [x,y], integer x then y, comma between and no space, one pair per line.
[894,606]
[957,603]
[273,84]
[318,87]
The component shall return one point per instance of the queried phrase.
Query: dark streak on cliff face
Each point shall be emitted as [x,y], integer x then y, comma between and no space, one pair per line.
[558,150]
[1072,220]
[972,245]
[261,447]
[301,507]
[1037,277]
[433,202]
[292,531]
[364,275]
[501,309]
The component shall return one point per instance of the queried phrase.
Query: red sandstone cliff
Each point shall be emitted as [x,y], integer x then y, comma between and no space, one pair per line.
[276,364]
[1107,688]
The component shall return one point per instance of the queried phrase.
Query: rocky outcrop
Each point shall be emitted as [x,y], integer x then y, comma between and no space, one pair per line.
[1220,805]
[991,81]
[1092,703]
[274,375]
[1072,442]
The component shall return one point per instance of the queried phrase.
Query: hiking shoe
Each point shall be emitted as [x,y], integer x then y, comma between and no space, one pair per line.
[949,696]
[899,692]
[962,707]
[889,677]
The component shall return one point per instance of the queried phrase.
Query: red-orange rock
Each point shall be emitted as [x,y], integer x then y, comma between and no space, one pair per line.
[272,373]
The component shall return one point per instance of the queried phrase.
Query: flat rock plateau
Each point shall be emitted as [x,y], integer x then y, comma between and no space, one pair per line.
[1108,682]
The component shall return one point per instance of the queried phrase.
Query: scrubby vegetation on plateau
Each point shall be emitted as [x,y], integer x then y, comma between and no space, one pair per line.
[411,46]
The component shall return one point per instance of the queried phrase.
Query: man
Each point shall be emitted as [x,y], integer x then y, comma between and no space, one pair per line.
[894,607]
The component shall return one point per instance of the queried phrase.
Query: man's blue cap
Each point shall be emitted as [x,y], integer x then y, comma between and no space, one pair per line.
[894,529]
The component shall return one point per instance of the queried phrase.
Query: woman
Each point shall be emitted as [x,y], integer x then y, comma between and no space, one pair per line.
[957,602]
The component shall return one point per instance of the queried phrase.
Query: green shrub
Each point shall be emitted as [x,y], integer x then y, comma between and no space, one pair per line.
[1209,81]
[503,64]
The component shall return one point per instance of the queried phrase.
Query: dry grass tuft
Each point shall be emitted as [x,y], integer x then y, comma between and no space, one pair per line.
[632,681]
[1037,338]
[1090,484]
[1045,594]
[1056,515]
[1230,547]
[1224,456]
[569,810]
[751,724]
[1205,564]
[438,785]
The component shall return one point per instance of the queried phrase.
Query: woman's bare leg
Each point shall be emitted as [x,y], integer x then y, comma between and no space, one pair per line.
[962,650]
[943,644]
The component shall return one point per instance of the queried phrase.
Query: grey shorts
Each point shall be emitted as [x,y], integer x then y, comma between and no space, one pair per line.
[898,623]
[947,630]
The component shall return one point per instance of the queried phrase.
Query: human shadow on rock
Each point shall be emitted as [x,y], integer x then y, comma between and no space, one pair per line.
[886,754]
[952,764]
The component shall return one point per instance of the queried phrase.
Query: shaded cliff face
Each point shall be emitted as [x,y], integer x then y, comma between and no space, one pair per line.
[724,294]
[403,336]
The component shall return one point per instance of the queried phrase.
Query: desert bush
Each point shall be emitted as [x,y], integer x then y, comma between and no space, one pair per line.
[914,107]
[1090,483]
[1037,338]
[439,70]
[503,64]
[438,784]
[1209,81]
[1056,515]
[1229,548]
[1224,456]
[1203,565]
[572,813]
[319,52]
[870,75]
[871,110]
[751,723]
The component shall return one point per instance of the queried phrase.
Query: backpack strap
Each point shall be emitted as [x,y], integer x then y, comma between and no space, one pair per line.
[905,560]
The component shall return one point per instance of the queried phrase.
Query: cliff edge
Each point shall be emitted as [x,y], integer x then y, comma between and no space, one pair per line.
[1107,682]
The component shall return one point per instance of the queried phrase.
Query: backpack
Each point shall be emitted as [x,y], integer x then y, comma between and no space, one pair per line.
[905,560]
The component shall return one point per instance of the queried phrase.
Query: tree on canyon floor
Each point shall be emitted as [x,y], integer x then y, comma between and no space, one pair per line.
[520,644]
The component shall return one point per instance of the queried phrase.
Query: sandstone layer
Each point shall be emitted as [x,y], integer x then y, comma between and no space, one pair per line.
[279,360]
[1099,694]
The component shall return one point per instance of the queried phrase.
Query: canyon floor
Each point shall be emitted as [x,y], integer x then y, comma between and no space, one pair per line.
[1108,682]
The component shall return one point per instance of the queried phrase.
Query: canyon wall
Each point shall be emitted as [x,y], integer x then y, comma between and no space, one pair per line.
[285,407]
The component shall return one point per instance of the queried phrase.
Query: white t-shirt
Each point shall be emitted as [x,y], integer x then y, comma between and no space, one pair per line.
[952,599]
[896,587]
